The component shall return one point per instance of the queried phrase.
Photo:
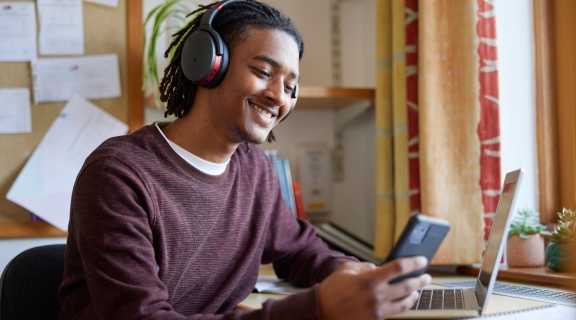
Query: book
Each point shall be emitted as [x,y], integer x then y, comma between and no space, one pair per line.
[299,200]
[287,176]
[282,170]
[341,240]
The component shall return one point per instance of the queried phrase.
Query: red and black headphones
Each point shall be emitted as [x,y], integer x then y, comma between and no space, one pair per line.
[205,55]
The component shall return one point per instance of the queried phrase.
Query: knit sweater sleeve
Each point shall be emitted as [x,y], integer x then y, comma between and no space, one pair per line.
[111,230]
[298,255]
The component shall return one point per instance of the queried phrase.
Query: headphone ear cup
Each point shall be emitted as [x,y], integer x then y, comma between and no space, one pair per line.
[221,72]
[198,56]
[293,99]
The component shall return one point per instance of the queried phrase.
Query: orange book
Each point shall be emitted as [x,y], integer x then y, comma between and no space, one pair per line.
[300,208]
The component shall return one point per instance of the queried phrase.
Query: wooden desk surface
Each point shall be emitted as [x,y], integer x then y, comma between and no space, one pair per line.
[497,304]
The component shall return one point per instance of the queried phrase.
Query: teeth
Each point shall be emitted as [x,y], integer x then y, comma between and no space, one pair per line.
[262,111]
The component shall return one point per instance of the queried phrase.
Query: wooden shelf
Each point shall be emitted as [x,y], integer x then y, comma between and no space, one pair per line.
[317,98]
[330,98]
[27,229]
[541,275]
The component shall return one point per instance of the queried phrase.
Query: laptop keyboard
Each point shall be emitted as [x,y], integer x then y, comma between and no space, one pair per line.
[434,299]
[544,295]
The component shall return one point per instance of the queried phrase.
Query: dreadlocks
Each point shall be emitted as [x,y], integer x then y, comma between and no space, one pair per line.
[232,24]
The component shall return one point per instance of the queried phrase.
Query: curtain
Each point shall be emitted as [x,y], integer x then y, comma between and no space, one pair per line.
[392,179]
[437,121]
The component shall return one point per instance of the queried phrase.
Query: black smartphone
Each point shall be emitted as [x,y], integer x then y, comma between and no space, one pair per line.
[422,236]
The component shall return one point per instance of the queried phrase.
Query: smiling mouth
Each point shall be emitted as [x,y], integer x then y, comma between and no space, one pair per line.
[262,111]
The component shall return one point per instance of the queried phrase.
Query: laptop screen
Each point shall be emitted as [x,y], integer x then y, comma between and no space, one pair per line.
[498,234]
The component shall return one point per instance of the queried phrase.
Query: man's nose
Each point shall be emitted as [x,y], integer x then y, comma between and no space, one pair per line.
[275,93]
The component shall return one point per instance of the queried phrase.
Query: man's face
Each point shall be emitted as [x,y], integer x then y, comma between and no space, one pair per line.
[255,93]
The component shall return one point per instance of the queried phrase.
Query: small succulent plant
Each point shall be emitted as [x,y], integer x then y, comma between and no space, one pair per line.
[527,223]
[565,232]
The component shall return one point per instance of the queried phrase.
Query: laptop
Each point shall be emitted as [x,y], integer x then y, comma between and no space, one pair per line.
[472,302]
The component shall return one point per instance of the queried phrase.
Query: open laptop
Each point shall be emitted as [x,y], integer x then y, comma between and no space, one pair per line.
[471,302]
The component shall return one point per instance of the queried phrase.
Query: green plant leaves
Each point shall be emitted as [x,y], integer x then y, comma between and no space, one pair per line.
[565,232]
[527,223]
[172,9]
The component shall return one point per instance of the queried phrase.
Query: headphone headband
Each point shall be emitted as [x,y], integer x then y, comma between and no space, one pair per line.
[211,13]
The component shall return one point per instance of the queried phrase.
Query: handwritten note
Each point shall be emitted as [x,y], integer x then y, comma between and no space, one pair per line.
[44,186]
[17,31]
[61,27]
[93,77]
[15,111]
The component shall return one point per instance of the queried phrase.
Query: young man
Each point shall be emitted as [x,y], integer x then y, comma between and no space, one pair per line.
[174,220]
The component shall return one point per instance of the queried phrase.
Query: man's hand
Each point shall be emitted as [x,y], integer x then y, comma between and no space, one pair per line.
[361,290]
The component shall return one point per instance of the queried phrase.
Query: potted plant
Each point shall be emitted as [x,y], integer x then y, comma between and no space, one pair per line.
[563,241]
[525,245]
[166,18]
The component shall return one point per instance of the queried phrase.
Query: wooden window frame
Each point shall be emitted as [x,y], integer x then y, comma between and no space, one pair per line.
[555,72]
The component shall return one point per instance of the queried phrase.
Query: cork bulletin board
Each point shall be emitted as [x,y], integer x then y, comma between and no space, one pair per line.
[107,30]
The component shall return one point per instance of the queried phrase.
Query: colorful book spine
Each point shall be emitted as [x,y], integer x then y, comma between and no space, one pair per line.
[282,169]
[299,200]
[288,184]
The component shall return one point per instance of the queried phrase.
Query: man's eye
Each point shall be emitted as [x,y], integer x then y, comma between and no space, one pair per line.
[289,89]
[263,73]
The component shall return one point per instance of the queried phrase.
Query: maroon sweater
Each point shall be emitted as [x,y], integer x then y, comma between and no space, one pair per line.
[151,237]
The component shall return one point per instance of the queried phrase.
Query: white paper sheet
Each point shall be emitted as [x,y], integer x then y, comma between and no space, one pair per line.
[44,186]
[112,3]
[93,77]
[271,284]
[17,31]
[15,111]
[61,27]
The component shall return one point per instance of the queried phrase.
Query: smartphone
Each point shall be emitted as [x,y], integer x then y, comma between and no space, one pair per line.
[422,236]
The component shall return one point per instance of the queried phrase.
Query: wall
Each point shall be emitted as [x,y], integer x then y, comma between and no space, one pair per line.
[514,27]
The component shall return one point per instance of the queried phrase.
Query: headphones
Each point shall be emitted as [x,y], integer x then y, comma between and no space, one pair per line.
[205,55]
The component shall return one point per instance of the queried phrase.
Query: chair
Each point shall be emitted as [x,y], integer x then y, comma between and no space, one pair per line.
[29,284]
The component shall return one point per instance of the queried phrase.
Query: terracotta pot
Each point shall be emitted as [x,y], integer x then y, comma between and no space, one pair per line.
[525,252]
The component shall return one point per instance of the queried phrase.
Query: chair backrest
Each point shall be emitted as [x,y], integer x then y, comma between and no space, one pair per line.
[29,284]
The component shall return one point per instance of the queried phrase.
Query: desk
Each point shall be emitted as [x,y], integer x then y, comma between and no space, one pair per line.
[497,304]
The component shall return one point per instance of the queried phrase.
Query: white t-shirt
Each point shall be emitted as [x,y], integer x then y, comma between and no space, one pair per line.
[207,167]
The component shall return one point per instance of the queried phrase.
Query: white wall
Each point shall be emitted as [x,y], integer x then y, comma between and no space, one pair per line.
[312,18]
[358,38]
[514,27]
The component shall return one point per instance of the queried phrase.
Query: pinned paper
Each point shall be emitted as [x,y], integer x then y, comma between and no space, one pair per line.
[93,77]
[61,27]
[15,111]
[111,3]
[17,31]
[44,186]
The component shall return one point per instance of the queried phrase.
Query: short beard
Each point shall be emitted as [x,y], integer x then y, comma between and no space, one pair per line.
[247,141]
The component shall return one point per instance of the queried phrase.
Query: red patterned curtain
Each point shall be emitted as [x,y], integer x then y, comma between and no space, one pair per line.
[489,126]
[412,103]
